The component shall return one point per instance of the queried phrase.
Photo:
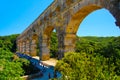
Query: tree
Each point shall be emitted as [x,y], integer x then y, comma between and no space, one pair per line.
[54,45]
[11,66]
[82,66]
[9,69]
[8,42]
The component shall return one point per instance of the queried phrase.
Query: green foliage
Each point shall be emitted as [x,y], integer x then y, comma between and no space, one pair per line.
[82,66]
[92,44]
[5,54]
[53,45]
[23,61]
[27,66]
[97,58]
[11,66]
[9,69]
[8,42]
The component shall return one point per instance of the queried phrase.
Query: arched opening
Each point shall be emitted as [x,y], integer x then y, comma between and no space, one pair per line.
[73,25]
[107,50]
[34,41]
[45,43]
[95,31]
[27,46]
[77,19]
[19,46]
[23,46]
[54,45]
[79,16]
[99,23]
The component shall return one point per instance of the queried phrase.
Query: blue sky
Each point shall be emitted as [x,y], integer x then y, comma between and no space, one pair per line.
[17,15]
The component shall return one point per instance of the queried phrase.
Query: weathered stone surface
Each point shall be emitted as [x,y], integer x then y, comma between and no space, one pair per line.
[65,16]
[45,57]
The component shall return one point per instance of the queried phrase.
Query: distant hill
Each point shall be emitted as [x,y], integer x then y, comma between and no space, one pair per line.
[8,42]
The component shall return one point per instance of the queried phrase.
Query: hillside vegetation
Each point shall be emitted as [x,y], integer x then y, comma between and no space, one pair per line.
[95,58]
[11,67]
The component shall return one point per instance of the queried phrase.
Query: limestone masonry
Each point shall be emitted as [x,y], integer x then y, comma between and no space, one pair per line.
[64,16]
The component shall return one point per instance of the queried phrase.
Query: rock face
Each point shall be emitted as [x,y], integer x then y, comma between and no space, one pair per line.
[65,17]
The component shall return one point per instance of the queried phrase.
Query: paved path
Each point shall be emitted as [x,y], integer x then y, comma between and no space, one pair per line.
[47,71]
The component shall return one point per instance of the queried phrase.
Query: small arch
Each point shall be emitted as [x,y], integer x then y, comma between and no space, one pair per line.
[27,46]
[35,36]
[48,30]
[45,43]
[53,44]
[34,45]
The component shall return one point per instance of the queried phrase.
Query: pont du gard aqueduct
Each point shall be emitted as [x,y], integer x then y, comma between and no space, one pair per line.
[64,16]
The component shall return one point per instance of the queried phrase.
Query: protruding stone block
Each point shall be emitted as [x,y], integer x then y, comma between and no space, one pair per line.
[45,56]
[33,53]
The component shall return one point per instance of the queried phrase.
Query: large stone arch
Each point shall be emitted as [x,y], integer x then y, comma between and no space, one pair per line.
[77,17]
[80,15]
[45,43]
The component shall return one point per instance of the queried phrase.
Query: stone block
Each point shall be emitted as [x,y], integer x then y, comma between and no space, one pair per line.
[45,57]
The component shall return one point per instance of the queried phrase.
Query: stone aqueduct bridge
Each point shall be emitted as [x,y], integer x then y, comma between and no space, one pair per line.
[65,17]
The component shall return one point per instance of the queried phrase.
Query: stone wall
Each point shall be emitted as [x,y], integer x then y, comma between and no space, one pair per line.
[64,16]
